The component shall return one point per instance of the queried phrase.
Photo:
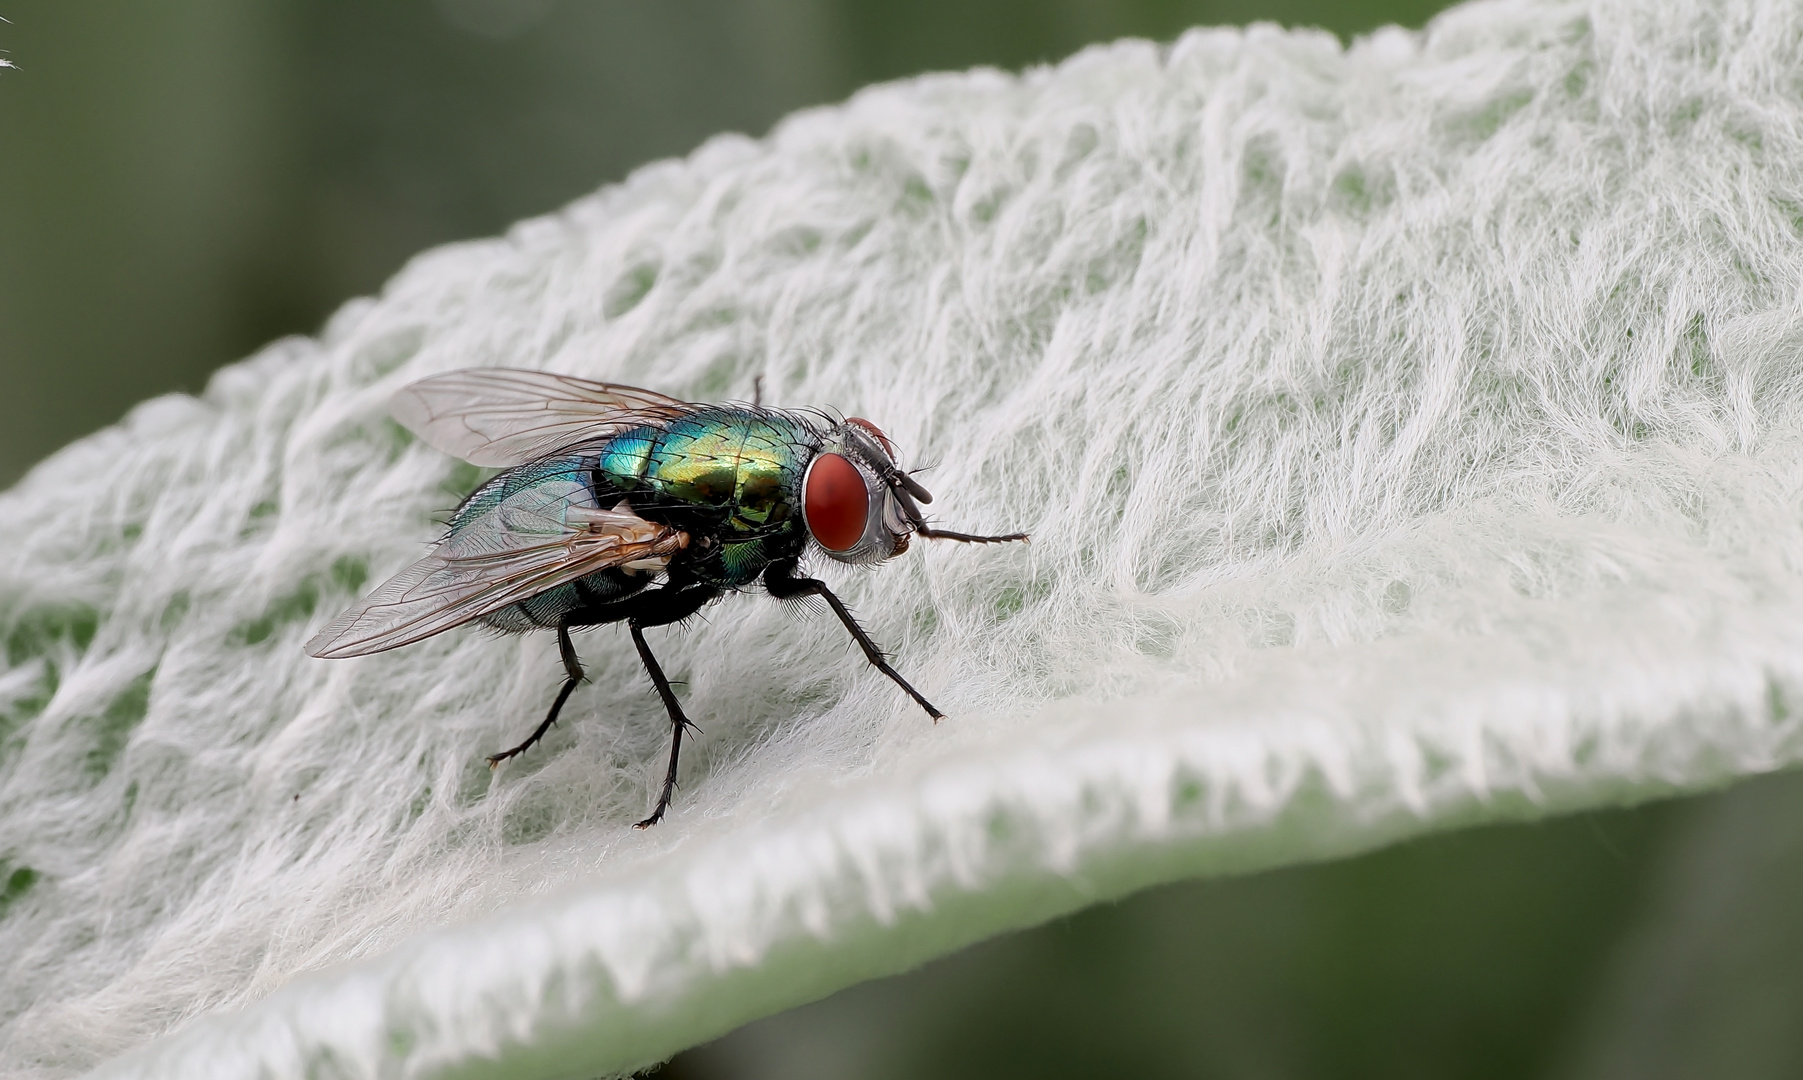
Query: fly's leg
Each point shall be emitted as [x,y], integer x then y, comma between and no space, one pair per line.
[781,582]
[661,608]
[573,669]
[969,538]
[677,723]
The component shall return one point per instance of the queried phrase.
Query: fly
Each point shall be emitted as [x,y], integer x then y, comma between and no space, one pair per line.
[623,505]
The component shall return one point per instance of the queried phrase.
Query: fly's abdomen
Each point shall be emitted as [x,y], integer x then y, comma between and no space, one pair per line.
[536,500]
[547,609]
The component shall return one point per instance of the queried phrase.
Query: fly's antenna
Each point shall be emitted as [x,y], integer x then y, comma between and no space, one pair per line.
[901,481]
[905,488]
[910,495]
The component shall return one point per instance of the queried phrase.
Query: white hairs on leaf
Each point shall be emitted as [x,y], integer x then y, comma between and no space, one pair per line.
[1409,434]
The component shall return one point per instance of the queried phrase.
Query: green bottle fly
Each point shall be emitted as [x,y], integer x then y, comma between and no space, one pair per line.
[623,505]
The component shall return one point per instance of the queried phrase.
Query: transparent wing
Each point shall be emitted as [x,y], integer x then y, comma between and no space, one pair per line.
[524,546]
[508,416]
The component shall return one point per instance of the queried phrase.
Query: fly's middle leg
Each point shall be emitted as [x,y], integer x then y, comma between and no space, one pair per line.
[678,722]
[655,607]
[662,607]
[572,667]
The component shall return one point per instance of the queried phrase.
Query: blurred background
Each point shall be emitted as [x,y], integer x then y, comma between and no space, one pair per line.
[181,181]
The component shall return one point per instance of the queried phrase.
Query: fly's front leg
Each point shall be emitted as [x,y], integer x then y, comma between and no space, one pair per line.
[970,538]
[780,581]
[573,669]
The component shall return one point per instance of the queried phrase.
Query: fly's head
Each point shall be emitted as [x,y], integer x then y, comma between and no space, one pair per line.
[857,504]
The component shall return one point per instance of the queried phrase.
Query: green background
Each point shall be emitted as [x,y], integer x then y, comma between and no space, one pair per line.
[187,179]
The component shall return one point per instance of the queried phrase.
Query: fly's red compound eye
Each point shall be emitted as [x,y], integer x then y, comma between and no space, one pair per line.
[874,432]
[835,502]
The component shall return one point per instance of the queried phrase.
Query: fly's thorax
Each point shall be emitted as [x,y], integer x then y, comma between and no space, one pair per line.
[725,469]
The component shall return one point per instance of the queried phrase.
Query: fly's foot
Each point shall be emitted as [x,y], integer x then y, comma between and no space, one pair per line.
[496,759]
[658,814]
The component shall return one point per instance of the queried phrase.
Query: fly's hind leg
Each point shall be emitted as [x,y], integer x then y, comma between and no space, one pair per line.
[573,669]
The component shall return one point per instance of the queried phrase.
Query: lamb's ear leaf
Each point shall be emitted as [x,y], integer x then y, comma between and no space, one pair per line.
[1357,513]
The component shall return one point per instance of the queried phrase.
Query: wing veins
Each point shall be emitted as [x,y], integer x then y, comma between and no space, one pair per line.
[441,591]
[508,416]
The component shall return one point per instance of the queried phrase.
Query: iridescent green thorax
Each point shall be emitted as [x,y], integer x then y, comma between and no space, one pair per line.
[733,474]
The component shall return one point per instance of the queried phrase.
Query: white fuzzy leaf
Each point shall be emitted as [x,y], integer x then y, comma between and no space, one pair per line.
[1411,435]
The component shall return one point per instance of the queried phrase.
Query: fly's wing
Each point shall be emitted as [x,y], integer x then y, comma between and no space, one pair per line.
[528,543]
[508,416]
